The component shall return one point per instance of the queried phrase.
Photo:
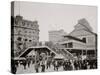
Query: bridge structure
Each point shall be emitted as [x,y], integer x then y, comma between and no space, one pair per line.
[66,54]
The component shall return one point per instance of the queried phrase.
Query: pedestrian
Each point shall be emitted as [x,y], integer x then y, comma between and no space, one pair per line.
[56,66]
[37,66]
[29,62]
[14,67]
[43,67]
[24,64]
[48,63]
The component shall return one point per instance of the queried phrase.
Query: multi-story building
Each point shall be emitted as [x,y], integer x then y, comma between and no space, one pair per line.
[56,36]
[26,33]
[82,40]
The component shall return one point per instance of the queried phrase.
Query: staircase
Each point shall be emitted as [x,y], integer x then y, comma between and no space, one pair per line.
[67,54]
[64,52]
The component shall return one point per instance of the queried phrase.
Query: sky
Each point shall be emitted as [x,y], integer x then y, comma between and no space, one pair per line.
[51,16]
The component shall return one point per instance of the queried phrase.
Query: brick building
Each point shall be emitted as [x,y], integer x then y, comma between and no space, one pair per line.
[25,33]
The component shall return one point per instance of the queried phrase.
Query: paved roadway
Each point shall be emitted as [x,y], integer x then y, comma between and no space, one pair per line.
[21,70]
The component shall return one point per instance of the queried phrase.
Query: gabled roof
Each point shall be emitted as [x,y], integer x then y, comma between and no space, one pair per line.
[85,23]
[84,26]
[74,38]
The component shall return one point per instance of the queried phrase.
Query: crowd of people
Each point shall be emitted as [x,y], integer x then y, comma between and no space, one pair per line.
[45,62]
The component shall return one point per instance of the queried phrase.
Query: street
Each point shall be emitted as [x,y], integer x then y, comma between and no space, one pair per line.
[31,69]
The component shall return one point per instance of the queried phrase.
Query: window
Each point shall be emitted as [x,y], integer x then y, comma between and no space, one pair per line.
[33,31]
[31,25]
[84,40]
[19,32]
[23,23]
[65,45]
[70,45]
[27,24]
[16,21]
[19,38]
[30,40]
[25,39]
[29,31]
[25,31]
[84,52]
[38,37]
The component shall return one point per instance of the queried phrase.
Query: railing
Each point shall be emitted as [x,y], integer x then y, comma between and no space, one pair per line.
[54,49]
[63,52]
[67,54]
